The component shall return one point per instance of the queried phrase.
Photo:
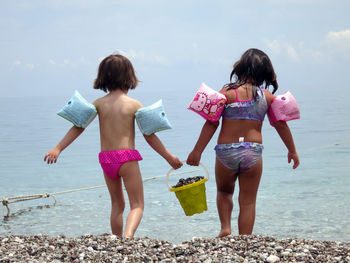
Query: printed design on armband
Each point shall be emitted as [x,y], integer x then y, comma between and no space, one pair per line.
[208,103]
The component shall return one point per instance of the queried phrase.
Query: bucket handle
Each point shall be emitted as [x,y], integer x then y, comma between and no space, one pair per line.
[184,161]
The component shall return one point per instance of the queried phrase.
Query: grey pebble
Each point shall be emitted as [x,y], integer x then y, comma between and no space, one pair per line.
[189,180]
[110,248]
[272,259]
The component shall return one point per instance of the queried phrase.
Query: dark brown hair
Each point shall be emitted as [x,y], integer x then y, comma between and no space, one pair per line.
[254,67]
[115,72]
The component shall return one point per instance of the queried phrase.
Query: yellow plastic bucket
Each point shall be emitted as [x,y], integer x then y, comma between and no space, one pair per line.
[192,197]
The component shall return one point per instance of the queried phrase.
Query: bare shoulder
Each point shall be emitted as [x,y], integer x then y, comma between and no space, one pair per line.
[230,96]
[133,103]
[97,103]
[223,91]
[100,101]
[269,96]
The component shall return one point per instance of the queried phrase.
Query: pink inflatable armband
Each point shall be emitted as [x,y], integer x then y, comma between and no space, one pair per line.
[208,103]
[283,108]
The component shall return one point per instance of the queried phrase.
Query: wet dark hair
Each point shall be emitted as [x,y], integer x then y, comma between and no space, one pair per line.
[253,67]
[115,72]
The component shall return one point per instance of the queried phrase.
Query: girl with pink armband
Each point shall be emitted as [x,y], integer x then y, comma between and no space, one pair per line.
[239,148]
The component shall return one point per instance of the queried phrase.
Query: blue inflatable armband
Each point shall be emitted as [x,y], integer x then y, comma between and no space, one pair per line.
[78,111]
[152,119]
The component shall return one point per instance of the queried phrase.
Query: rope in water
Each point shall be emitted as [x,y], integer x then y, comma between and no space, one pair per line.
[10,200]
[329,145]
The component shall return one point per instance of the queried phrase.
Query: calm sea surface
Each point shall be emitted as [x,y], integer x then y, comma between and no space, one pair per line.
[309,202]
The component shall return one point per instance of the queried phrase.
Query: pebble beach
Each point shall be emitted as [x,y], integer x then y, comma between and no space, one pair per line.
[110,248]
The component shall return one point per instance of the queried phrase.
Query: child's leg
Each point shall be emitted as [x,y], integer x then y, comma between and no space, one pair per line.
[118,204]
[248,189]
[225,183]
[131,175]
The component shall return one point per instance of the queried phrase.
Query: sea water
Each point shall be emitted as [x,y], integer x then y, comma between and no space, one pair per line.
[309,202]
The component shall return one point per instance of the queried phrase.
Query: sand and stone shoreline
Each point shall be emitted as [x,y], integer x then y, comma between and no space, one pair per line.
[109,248]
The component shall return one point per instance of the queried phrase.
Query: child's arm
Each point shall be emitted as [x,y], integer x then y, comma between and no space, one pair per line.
[286,136]
[208,130]
[158,146]
[71,135]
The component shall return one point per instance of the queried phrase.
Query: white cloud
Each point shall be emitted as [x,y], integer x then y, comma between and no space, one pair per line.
[315,53]
[292,53]
[15,63]
[335,43]
[338,42]
[279,47]
[274,46]
[131,54]
[121,52]
[30,66]
[76,62]
[161,60]
[140,55]
[20,64]
[339,36]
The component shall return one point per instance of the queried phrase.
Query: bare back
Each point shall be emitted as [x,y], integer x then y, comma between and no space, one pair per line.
[232,129]
[116,113]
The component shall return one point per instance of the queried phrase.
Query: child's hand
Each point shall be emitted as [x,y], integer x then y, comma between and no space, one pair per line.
[295,158]
[175,162]
[52,155]
[194,158]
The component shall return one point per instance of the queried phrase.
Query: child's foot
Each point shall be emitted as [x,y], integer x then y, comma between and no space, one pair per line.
[224,233]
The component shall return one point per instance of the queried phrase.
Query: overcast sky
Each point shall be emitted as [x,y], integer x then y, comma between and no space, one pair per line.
[51,47]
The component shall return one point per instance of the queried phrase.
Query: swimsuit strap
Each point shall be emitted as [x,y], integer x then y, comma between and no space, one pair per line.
[236,100]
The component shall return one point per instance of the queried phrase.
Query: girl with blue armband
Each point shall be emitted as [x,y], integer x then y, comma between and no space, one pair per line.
[118,157]
[239,148]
